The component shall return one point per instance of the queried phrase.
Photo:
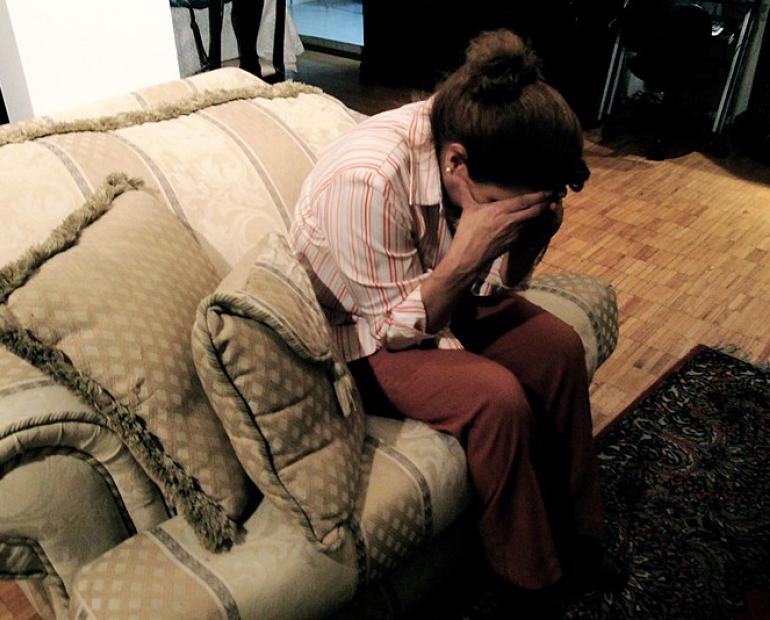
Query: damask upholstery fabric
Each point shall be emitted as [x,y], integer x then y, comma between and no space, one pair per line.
[37,414]
[231,172]
[263,351]
[414,486]
[55,525]
[119,305]
[57,456]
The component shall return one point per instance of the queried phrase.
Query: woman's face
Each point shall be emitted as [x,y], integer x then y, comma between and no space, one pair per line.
[454,172]
[489,192]
[484,193]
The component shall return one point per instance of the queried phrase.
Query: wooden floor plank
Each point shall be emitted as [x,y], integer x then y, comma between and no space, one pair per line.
[13,604]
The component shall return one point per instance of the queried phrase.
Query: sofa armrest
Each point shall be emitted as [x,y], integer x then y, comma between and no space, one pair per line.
[586,303]
[69,489]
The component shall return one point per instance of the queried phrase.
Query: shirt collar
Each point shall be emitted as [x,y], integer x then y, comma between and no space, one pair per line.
[424,175]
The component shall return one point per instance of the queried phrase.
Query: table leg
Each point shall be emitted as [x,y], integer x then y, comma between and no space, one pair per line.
[279,41]
[247,15]
[216,11]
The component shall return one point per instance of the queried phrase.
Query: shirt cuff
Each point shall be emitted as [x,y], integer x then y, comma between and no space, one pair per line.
[492,283]
[406,324]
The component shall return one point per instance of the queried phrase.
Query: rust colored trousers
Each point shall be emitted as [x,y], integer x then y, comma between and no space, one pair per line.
[517,400]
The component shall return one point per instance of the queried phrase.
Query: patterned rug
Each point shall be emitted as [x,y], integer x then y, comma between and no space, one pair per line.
[686,480]
[685,474]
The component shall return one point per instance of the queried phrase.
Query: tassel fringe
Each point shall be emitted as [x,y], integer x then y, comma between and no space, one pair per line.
[344,388]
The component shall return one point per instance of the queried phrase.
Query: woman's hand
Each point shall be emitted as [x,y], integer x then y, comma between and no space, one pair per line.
[488,230]
[539,230]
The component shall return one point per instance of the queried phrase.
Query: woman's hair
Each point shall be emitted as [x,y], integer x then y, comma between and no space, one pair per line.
[516,129]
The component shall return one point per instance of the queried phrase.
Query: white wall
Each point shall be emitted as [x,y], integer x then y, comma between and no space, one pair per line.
[56,55]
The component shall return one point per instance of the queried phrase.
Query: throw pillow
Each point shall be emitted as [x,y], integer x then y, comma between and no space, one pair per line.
[263,351]
[105,306]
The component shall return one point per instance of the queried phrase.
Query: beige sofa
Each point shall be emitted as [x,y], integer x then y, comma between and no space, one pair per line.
[87,527]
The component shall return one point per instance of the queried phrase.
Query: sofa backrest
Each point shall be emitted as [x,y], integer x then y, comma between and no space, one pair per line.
[231,171]
[226,154]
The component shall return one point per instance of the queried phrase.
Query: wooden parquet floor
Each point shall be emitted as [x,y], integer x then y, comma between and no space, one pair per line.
[685,242]
[14,605]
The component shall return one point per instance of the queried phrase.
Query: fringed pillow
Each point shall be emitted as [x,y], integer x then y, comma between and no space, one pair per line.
[263,352]
[105,307]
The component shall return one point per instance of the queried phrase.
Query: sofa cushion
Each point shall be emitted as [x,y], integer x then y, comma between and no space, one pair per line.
[105,306]
[414,486]
[263,352]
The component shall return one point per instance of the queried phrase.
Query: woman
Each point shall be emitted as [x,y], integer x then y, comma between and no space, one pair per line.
[417,228]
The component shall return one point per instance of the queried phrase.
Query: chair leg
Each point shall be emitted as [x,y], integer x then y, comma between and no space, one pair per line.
[612,124]
[247,16]
[203,56]
[609,131]
[216,9]
[718,146]
[659,148]
[279,40]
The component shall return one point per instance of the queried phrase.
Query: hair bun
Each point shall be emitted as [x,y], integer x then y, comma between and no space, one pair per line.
[500,65]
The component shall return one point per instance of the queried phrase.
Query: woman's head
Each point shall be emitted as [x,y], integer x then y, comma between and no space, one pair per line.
[511,128]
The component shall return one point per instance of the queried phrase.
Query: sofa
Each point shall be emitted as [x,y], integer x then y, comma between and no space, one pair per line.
[121,494]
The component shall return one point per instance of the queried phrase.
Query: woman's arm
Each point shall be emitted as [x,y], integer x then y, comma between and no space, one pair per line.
[485,231]
[377,270]
[367,229]
[522,257]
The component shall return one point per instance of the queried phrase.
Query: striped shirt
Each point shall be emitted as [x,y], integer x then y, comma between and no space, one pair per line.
[370,226]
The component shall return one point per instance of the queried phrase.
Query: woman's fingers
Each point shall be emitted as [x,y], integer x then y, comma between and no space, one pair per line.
[466,199]
[525,201]
[523,214]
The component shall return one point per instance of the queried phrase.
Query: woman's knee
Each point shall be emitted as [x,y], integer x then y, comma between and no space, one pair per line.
[500,401]
[562,341]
